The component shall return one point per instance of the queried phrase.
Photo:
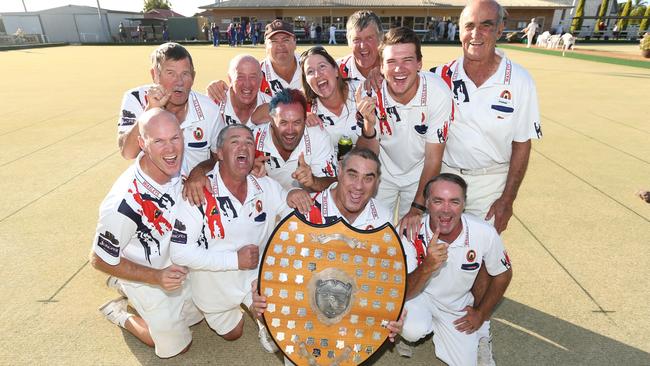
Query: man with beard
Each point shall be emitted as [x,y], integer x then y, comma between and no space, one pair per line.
[443,262]
[220,240]
[172,71]
[290,152]
[132,242]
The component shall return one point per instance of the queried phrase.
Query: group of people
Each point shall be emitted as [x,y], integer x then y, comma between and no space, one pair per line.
[442,30]
[441,153]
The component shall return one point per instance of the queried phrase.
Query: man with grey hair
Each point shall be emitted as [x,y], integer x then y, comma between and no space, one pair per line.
[241,100]
[496,116]
[132,239]
[220,240]
[364,33]
[172,72]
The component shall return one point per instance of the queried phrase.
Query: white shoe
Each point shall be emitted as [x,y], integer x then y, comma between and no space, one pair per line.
[113,282]
[485,352]
[403,348]
[115,311]
[266,341]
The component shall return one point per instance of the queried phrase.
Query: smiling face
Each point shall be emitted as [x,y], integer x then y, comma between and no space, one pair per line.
[446,203]
[400,67]
[479,30]
[176,76]
[287,127]
[321,76]
[237,152]
[357,183]
[280,48]
[365,44]
[161,140]
[246,79]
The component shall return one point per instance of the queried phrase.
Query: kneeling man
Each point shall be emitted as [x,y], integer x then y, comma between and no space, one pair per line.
[132,241]
[220,239]
[443,263]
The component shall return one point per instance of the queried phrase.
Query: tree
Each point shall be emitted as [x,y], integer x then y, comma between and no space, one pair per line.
[576,24]
[644,22]
[156,4]
[601,13]
[622,23]
[637,12]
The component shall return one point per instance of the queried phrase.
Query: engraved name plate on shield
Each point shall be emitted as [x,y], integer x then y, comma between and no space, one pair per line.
[331,290]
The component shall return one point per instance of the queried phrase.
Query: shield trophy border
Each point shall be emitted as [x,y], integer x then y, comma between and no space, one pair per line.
[292,215]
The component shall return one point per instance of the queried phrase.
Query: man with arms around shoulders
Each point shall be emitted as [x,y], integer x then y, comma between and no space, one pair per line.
[172,72]
[132,241]
[242,99]
[406,124]
[443,262]
[220,240]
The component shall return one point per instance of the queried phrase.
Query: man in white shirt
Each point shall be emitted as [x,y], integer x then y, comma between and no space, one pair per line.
[241,100]
[220,240]
[132,241]
[280,68]
[172,72]
[332,39]
[291,153]
[496,115]
[530,31]
[364,33]
[351,198]
[406,125]
[443,262]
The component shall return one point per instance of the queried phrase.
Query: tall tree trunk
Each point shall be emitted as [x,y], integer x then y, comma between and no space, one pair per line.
[576,24]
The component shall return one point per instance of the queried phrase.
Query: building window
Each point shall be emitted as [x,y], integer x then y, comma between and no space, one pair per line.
[390,22]
[339,22]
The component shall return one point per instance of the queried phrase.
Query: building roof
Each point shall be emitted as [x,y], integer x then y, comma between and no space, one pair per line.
[76,9]
[162,13]
[274,4]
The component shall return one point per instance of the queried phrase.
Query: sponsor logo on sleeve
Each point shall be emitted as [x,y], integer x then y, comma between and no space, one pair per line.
[109,243]
[178,236]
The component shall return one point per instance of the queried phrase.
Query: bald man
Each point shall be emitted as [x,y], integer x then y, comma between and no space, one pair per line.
[131,242]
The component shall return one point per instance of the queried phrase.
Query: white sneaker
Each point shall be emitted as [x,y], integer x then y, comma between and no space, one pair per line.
[113,282]
[485,352]
[403,348]
[115,311]
[266,341]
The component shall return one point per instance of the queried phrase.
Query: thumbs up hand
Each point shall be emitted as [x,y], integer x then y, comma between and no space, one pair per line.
[303,174]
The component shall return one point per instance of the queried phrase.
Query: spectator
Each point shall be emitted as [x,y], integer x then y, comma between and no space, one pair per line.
[319,33]
[215,35]
[332,39]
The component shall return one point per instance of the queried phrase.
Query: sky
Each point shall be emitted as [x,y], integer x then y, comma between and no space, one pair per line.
[185,7]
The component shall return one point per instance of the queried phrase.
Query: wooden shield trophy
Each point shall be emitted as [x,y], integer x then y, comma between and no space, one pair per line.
[331,290]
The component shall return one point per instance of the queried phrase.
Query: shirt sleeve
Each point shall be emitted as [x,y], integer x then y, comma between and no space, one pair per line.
[322,160]
[113,233]
[528,125]
[439,111]
[411,255]
[495,257]
[130,109]
[189,241]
